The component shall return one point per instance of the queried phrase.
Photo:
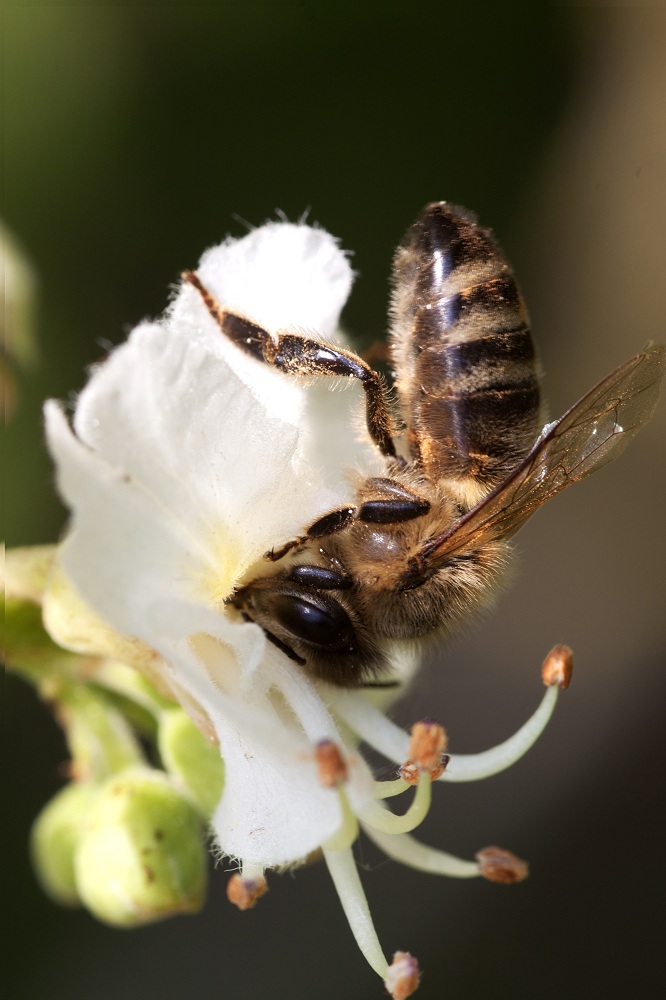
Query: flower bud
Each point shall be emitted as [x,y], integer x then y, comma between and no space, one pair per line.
[189,756]
[27,646]
[55,837]
[141,857]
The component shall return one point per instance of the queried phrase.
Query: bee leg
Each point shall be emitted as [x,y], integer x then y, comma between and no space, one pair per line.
[392,511]
[297,355]
[381,684]
[397,505]
[329,524]
[320,578]
[392,502]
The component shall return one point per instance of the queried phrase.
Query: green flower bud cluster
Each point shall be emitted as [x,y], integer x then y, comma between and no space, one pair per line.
[124,838]
[130,849]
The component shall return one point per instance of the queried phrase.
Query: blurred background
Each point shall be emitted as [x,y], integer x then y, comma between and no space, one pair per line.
[135,138]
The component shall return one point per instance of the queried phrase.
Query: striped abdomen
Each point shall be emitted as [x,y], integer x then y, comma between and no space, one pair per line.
[464,357]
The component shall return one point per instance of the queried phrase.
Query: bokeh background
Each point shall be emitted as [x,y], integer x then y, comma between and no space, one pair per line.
[138,136]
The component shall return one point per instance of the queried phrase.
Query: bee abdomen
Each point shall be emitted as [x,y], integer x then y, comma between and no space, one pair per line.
[463,350]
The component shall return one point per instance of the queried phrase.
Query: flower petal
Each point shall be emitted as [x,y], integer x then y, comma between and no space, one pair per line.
[273,811]
[283,276]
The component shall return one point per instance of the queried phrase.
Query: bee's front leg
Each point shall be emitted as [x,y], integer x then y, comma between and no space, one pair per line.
[393,504]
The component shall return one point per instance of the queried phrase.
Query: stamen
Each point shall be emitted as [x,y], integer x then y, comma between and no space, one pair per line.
[252,870]
[410,772]
[244,892]
[474,767]
[331,765]
[427,744]
[558,667]
[409,851]
[306,703]
[342,868]
[403,976]
[387,822]
[392,742]
[371,725]
[387,789]
[498,865]
[347,832]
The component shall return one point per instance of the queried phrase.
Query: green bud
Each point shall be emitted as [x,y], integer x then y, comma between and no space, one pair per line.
[54,839]
[141,857]
[26,571]
[28,648]
[20,284]
[189,756]
[99,738]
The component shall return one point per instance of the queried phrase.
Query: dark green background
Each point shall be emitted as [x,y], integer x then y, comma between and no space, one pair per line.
[135,138]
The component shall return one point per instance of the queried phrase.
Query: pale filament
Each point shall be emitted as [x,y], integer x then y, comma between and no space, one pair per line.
[393,742]
[474,767]
[385,821]
[387,789]
[252,870]
[407,850]
[347,832]
[343,871]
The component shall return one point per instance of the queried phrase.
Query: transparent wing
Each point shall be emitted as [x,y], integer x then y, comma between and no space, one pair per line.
[589,435]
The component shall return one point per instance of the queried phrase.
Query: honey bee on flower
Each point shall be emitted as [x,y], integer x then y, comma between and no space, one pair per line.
[274,557]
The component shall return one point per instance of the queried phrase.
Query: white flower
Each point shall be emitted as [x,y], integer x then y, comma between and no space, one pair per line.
[187,461]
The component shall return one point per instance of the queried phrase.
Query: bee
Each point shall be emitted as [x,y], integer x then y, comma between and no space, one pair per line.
[422,547]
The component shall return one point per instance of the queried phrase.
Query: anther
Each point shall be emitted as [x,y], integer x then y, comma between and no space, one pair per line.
[410,772]
[403,976]
[557,667]
[498,865]
[244,892]
[427,744]
[331,765]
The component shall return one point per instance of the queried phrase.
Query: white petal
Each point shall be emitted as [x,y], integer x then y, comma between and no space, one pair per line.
[287,277]
[283,276]
[129,556]
[273,811]
[171,413]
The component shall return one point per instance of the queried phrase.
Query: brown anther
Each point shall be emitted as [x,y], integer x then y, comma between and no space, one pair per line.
[331,765]
[403,976]
[244,892]
[427,744]
[498,865]
[558,667]
[411,772]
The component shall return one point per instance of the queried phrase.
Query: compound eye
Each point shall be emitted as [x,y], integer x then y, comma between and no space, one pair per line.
[323,624]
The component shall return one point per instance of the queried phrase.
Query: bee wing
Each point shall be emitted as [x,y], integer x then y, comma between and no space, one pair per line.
[589,435]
